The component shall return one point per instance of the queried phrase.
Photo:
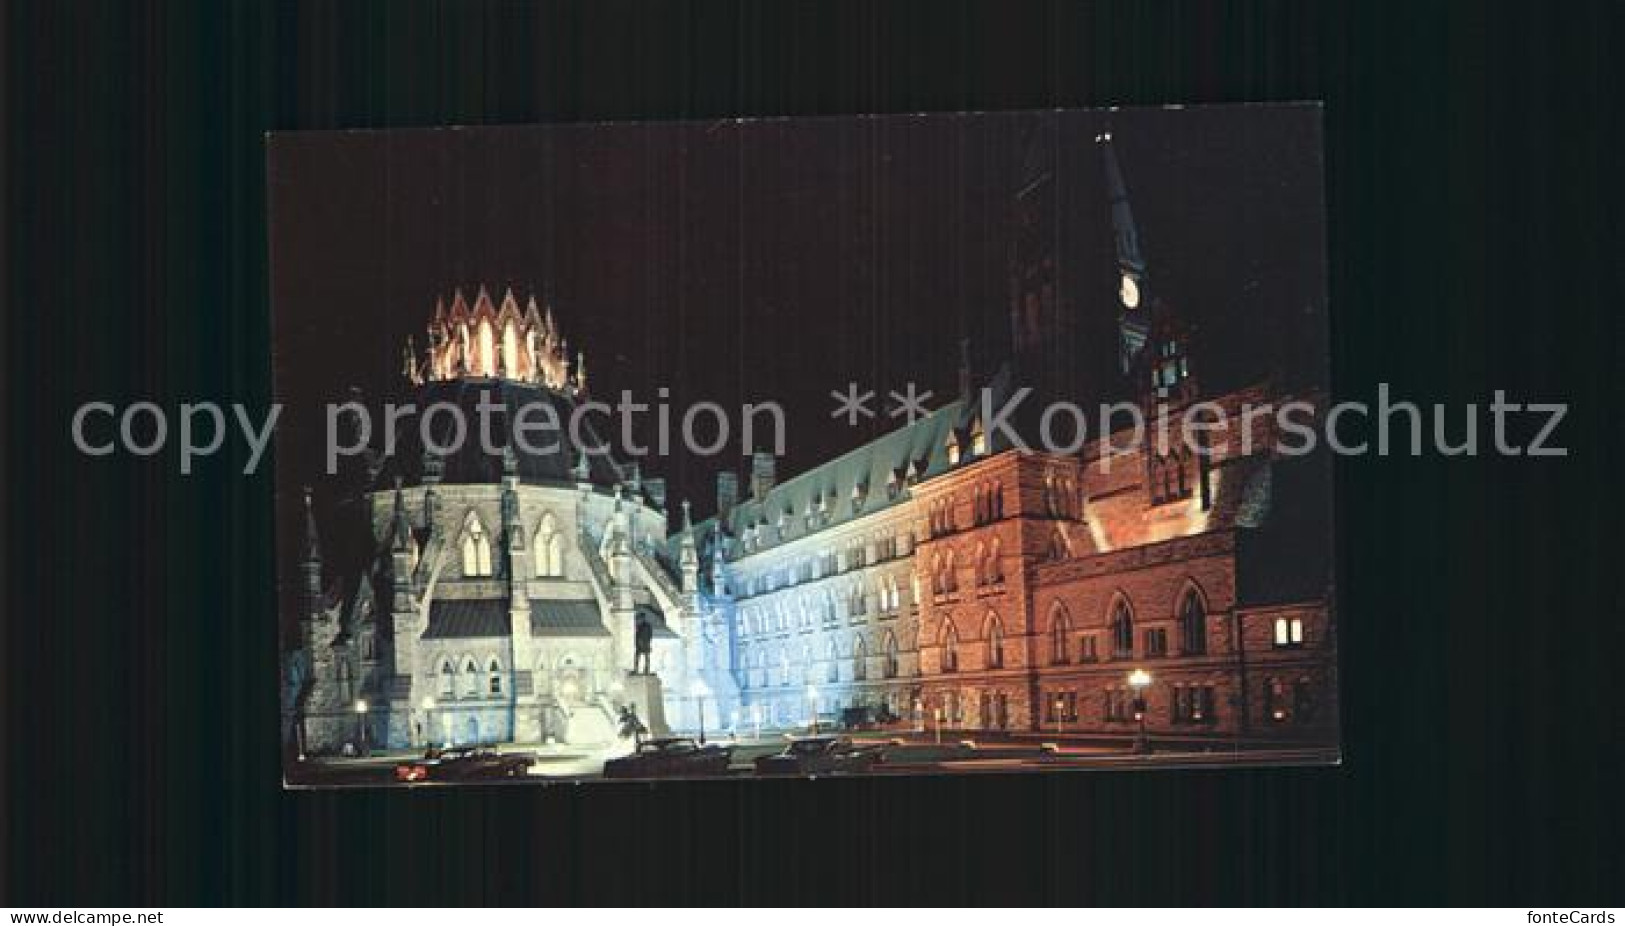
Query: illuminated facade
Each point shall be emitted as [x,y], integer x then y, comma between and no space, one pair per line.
[938,578]
[934,578]
[497,594]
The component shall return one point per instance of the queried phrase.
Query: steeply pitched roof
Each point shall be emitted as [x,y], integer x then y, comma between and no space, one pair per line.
[463,618]
[458,618]
[828,490]
[571,618]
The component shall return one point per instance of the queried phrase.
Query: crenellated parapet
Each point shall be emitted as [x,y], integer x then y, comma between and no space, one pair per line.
[495,340]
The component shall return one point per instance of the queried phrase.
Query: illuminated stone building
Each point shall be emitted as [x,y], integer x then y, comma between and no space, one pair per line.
[940,577]
[936,577]
[494,595]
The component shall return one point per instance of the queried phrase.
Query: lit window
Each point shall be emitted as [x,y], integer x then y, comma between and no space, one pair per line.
[1288,631]
[549,549]
[476,549]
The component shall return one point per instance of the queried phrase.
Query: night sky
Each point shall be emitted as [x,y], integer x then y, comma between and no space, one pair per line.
[779,259]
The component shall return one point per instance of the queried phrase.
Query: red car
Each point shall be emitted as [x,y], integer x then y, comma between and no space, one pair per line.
[464,763]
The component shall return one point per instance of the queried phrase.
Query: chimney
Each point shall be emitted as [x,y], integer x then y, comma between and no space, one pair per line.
[727,493]
[762,475]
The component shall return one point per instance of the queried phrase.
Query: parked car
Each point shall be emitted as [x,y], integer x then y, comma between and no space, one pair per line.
[670,757]
[464,763]
[821,755]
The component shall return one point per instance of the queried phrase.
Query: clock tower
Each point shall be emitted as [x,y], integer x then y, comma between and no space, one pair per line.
[1133,304]
[1153,341]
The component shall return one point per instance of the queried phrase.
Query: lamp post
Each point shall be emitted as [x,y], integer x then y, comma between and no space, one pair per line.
[812,709]
[361,724]
[698,691]
[1139,680]
[428,720]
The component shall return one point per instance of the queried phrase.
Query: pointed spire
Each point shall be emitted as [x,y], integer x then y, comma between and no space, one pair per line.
[688,520]
[403,526]
[1127,234]
[313,547]
[1133,314]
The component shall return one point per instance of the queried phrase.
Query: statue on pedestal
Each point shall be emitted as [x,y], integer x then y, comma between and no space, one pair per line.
[642,638]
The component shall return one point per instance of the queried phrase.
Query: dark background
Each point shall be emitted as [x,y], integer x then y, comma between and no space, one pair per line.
[746,261]
[1474,244]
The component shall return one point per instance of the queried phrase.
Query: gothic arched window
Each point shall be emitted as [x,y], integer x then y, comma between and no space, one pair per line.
[494,677]
[471,678]
[950,647]
[549,549]
[1060,635]
[860,660]
[476,549]
[1193,624]
[889,667]
[448,679]
[1122,624]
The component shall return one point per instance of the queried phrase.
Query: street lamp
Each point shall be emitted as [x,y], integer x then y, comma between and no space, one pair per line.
[812,708]
[698,691]
[361,724]
[1139,680]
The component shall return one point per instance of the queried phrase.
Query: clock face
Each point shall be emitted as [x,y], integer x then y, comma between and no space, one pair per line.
[1129,292]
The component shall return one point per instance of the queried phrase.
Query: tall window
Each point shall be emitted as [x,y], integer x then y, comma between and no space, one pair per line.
[494,678]
[860,659]
[471,679]
[950,647]
[889,666]
[1122,630]
[1060,635]
[448,679]
[510,350]
[486,363]
[345,679]
[1156,642]
[1193,625]
[832,664]
[476,549]
[995,643]
[549,549]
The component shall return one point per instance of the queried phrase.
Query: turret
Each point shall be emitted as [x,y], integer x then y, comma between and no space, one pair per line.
[310,560]
[688,556]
